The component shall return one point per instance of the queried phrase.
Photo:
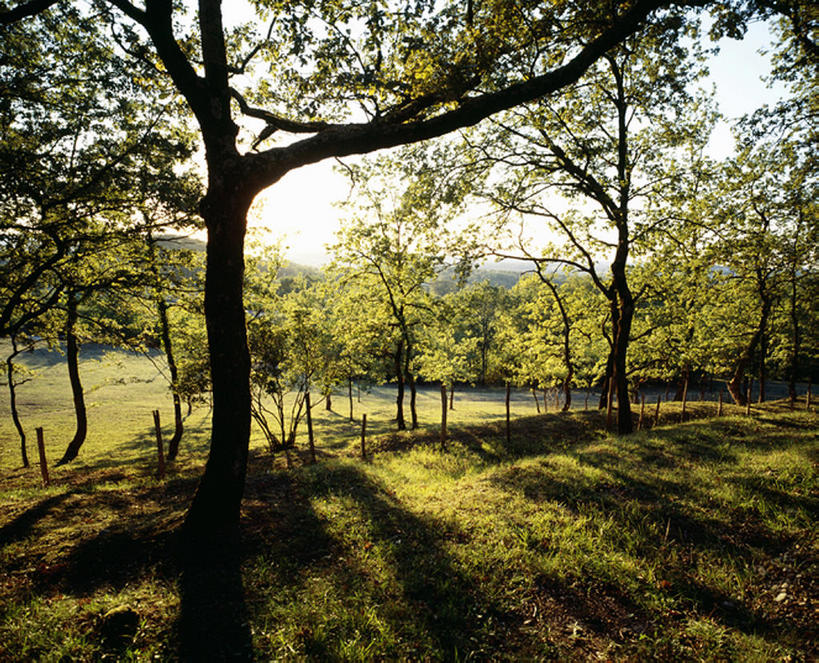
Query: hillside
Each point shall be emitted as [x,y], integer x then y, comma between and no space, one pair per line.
[692,541]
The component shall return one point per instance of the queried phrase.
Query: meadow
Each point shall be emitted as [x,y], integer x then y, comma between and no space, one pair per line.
[692,540]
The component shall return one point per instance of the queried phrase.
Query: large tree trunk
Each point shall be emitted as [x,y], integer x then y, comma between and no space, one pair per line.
[15,417]
[624,423]
[214,514]
[72,352]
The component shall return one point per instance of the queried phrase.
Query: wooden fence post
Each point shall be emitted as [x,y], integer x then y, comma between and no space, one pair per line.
[43,464]
[310,429]
[160,453]
[363,436]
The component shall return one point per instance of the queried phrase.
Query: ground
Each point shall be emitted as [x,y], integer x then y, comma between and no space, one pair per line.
[691,540]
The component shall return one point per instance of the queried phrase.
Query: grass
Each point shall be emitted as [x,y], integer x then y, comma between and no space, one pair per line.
[688,541]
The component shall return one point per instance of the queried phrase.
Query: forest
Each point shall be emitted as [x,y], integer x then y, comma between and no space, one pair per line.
[550,398]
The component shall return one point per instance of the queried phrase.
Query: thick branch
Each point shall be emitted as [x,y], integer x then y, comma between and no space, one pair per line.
[25,10]
[268,166]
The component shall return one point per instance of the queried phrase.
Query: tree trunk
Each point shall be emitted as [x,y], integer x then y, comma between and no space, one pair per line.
[624,423]
[13,401]
[399,401]
[413,395]
[537,402]
[173,443]
[328,400]
[508,415]
[72,352]
[310,441]
[734,385]
[793,359]
[763,352]
[567,353]
[443,414]
[483,347]
[452,396]
[567,390]
[604,385]
[682,385]
[350,395]
[213,517]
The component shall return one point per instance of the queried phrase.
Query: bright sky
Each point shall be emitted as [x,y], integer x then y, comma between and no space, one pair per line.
[299,209]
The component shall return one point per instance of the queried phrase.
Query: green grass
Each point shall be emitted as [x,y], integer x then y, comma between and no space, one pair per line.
[691,541]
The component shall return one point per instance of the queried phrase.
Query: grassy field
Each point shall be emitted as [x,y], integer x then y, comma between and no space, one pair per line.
[689,541]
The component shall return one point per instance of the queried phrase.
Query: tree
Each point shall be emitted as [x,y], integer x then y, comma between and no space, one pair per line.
[291,353]
[78,157]
[445,351]
[412,76]
[585,163]
[394,241]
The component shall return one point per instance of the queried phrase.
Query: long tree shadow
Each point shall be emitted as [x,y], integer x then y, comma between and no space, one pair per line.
[439,605]
[213,624]
[21,526]
[640,490]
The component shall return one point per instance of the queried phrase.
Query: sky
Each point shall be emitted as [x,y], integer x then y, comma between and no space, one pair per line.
[301,209]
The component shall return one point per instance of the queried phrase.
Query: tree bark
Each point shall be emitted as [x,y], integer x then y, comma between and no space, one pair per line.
[350,396]
[604,385]
[452,396]
[413,396]
[734,385]
[763,352]
[399,400]
[567,352]
[508,415]
[72,352]
[793,359]
[173,443]
[13,401]
[310,440]
[213,516]
[443,414]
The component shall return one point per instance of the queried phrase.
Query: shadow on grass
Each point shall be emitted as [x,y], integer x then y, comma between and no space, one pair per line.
[645,491]
[439,608]
[213,620]
[20,527]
